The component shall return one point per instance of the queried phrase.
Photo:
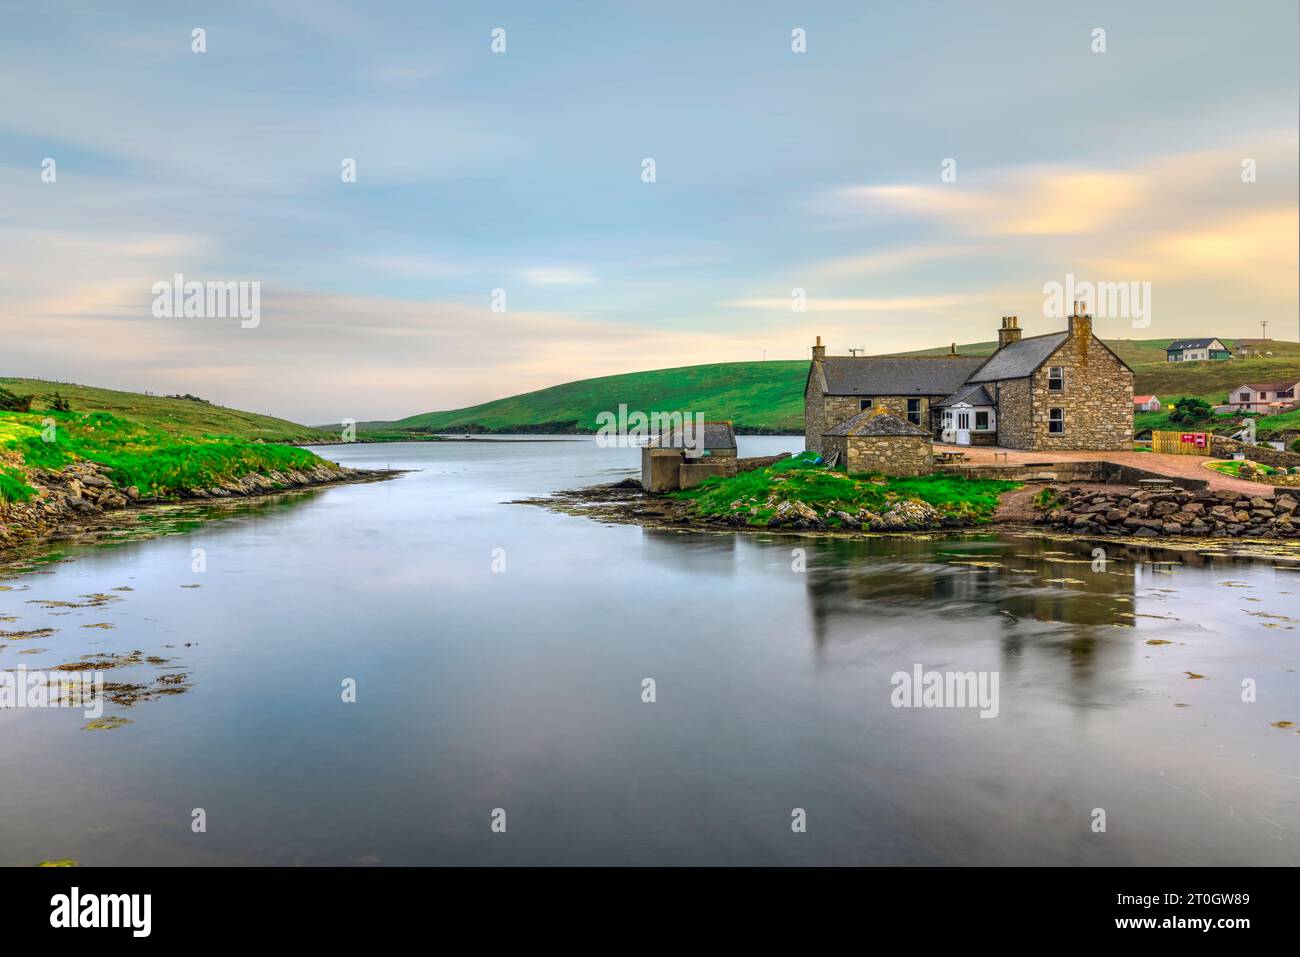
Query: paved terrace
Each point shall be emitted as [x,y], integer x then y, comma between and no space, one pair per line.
[1179,466]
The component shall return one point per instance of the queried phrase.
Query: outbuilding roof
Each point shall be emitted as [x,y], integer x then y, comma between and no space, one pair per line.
[717,435]
[875,422]
[897,375]
[970,394]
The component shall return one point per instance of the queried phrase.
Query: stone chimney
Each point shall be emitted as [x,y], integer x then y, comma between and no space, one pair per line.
[1010,331]
[819,351]
[1081,323]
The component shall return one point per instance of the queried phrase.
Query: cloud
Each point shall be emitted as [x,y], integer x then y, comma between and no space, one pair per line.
[558,276]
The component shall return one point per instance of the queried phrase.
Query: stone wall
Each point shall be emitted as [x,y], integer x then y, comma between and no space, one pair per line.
[1098,398]
[1015,423]
[884,454]
[1148,513]
[822,412]
[1224,448]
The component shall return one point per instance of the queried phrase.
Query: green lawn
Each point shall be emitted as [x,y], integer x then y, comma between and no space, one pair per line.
[799,479]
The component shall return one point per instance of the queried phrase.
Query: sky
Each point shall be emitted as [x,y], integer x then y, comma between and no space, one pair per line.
[919,170]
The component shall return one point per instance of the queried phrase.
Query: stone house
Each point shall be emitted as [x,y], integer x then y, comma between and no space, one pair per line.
[1064,390]
[683,458]
[876,441]
[909,387]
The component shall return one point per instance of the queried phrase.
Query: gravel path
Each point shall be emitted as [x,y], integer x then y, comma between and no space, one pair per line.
[1182,466]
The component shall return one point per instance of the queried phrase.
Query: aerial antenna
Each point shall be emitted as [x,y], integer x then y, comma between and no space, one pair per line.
[854,352]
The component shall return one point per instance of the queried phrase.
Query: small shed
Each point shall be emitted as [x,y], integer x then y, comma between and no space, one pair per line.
[687,455]
[875,441]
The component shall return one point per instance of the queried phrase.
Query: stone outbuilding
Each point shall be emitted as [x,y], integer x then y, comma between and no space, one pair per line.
[686,456]
[875,441]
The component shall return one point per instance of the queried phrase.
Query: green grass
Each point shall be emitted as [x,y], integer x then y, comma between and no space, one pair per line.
[765,396]
[768,396]
[178,417]
[159,464]
[1233,468]
[800,479]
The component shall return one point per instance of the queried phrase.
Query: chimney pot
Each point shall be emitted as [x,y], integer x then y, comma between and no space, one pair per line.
[1010,331]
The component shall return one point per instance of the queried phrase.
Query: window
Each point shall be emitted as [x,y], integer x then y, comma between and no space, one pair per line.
[963,420]
[1244,397]
[864,404]
[1056,379]
[1056,421]
[914,411]
[981,421]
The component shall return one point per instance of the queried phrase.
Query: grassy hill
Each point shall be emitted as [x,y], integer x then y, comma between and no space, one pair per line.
[757,396]
[158,446]
[178,417]
[768,396]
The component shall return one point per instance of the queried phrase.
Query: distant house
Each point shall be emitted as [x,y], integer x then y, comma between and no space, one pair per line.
[1247,347]
[1265,398]
[1146,403]
[683,458]
[1063,390]
[1196,350]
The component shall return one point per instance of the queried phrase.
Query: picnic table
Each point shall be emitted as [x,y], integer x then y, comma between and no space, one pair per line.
[951,458]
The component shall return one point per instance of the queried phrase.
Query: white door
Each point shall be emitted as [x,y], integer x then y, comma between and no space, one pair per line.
[963,428]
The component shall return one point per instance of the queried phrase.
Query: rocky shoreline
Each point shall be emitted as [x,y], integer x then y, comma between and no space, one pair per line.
[1173,512]
[81,492]
[627,503]
[1192,519]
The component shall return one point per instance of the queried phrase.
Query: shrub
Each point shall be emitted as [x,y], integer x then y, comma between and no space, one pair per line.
[12,402]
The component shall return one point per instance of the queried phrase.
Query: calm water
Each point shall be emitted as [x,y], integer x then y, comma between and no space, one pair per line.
[522,689]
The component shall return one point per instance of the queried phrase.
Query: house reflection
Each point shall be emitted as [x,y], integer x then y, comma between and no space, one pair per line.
[1066,598]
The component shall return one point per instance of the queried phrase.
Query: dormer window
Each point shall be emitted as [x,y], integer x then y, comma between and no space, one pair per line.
[1056,379]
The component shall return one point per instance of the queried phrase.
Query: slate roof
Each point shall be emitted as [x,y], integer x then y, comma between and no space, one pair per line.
[897,375]
[970,394]
[872,422]
[717,435]
[1178,345]
[1019,359]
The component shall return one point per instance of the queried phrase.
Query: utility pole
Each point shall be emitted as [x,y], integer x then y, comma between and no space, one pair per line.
[1263,325]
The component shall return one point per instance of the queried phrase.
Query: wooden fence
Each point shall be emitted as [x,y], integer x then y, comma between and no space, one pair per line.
[1182,443]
